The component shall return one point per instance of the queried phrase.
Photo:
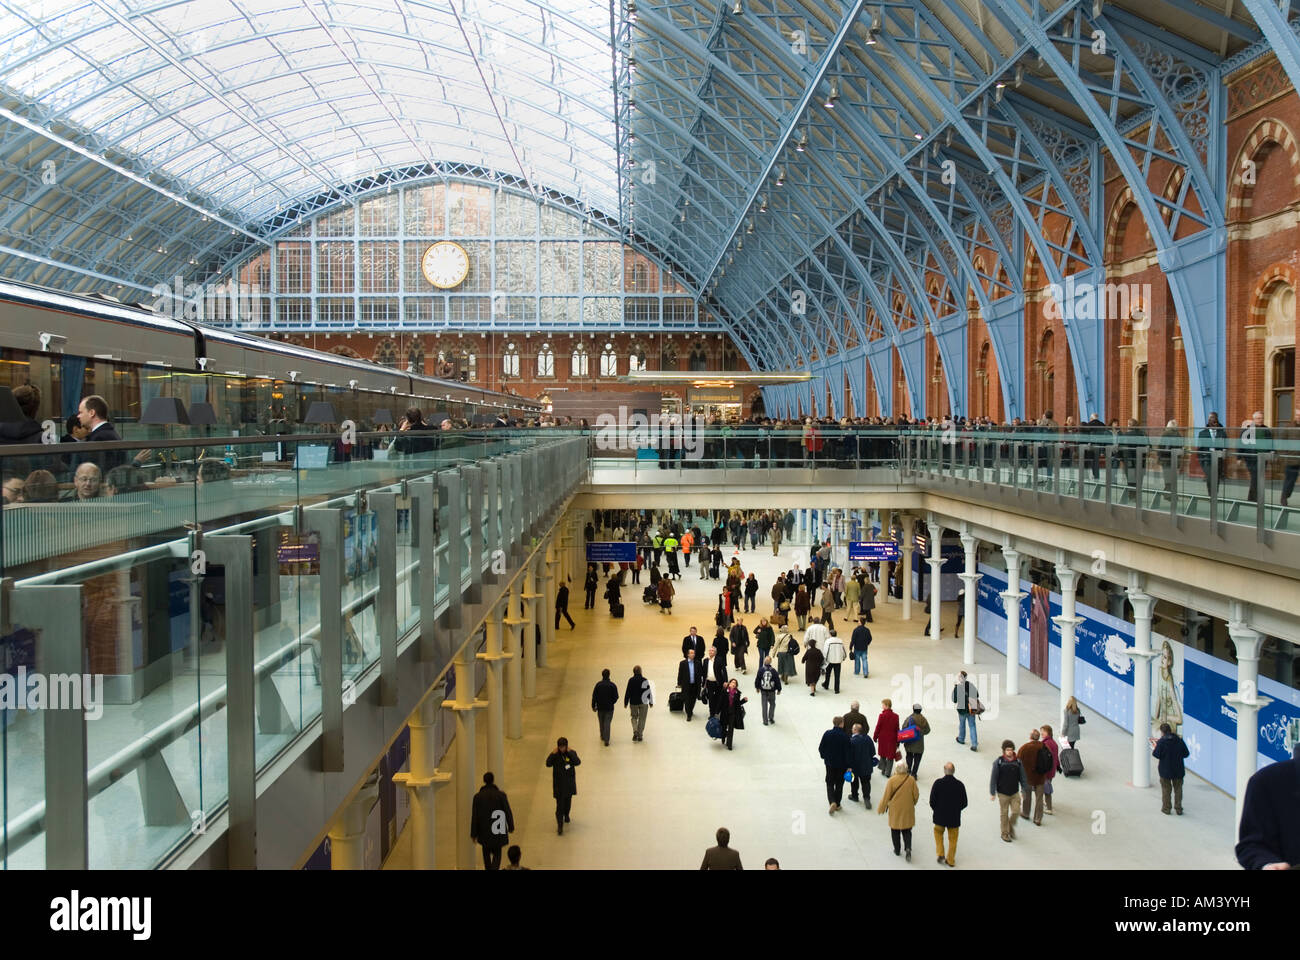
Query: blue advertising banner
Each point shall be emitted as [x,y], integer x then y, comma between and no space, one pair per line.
[867,551]
[611,551]
[1187,684]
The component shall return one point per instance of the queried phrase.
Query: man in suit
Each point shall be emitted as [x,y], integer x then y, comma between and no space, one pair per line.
[689,674]
[93,414]
[491,822]
[691,640]
[1255,439]
[604,698]
[713,678]
[721,857]
[1211,437]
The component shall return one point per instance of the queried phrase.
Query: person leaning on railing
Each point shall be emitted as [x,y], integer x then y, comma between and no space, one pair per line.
[1288,445]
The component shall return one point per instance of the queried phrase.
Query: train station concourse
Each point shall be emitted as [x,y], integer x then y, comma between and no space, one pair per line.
[631,435]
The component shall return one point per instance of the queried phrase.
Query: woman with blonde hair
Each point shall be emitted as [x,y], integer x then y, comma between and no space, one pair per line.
[1070,726]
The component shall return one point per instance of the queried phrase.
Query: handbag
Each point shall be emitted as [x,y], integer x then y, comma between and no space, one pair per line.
[908,734]
[975,707]
[1082,719]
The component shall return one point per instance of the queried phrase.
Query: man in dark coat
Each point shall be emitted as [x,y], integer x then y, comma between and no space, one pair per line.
[562,606]
[721,857]
[564,781]
[862,759]
[947,800]
[604,698]
[491,822]
[93,413]
[835,753]
[1169,752]
[713,678]
[739,643]
[689,672]
[691,640]
[1269,837]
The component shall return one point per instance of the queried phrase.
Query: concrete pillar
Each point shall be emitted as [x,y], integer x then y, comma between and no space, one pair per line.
[1247,703]
[1141,654]
[909,535]
[348,834]
[422,784]
[971,579]
[1011,607]
[1067,622]
[513,622]
[466,782]
[531,594]
[495,659]
[936,594]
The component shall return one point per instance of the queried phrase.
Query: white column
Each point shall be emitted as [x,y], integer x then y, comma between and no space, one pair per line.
[1247,703]
[909,534]
[495,658]
[1141,655]
[1011,607]
[348,834]
[466,782]
[530,597]
[1067,622]
[936,562]
[513,623]
[422,784]
[971,579]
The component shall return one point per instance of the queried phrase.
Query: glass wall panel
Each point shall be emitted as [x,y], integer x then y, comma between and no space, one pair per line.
[379,216]
[335,268]
[561,267]
[602,267]
[380,269]
[293,267]
[469,210]
[516,215]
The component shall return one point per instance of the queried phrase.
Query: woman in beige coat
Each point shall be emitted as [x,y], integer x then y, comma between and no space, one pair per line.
[900,797]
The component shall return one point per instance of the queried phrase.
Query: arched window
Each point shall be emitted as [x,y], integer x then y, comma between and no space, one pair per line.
[415,357]
[386,353]
[546,361]
[668,355]
[1140,410]
[730,359]
[608,361]
[1283,378]
[578,362]
[638,358]
[699,358]
[510,361]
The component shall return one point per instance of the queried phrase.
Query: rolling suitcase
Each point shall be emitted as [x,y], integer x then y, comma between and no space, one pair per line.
[618,611]
[714,728]
[1071,763]
[676,701]
[713,572]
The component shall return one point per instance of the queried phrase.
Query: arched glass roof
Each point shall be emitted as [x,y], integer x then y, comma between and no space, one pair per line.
[257,103]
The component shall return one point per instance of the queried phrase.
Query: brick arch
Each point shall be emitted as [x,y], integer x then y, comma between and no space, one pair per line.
[1261,294]
[1172,187]
[1269,131]
[1120,211]
[344,351]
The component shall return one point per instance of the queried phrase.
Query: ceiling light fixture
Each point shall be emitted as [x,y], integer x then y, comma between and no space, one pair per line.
[780,176]
[762,204]
[802,142]
[833,96]
[631,11]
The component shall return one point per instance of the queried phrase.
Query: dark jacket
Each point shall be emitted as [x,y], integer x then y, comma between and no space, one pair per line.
[860,639]
[637,692]
[739,639]
[947,800]
[721,858]
[690,643]
[853,717]
[487,802]
[812,660]
[1170,751]
[562,598]
[22,431]
[106,459]
[1008,777]
[1270,830]
[764,640]
[719,669]
[773,679]
[564,779]
[604,696]
[684,673]
[1029,760]
[835,749]
[862,753]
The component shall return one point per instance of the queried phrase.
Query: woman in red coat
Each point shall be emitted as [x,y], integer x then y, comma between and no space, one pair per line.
[886,737]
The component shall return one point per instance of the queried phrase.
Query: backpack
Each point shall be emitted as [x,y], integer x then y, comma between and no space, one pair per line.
[1043,764]
[792,645]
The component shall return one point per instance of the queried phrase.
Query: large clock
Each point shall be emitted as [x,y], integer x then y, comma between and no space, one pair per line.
[445,264]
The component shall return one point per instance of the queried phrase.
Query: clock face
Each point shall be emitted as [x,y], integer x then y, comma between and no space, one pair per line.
[445,264]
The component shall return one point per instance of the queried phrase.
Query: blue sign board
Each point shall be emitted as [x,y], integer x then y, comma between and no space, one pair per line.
[611,551]
[871,550]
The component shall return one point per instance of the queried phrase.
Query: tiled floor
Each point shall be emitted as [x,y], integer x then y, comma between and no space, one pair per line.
[657,803]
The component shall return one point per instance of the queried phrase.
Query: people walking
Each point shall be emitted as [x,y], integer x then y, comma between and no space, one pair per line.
[967,697]
[835,657]
[828,606]
[739,643]
[1005,783]
[689,678]
[853,716]
[787,648]
[491,821]
[589,586]
[1170,751]
[947,801]
[915,746]
[666,592]
[715,678]
[1054,749]
[764,640]
[812,666]
[802,604]
[638,697]
[886,737]
[604,698]
[859,643]
[721,857]
[562,606]
[899,801]
[862,760]
[768,684]
[564,781]
[1070,728]
[1035,767]
[751,592]
[834,750]
[731,711]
